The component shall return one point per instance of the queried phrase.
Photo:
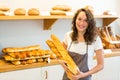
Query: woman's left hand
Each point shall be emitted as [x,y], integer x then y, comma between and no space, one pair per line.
[78,76]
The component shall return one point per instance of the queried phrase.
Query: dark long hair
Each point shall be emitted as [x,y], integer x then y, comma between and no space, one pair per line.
[91,31]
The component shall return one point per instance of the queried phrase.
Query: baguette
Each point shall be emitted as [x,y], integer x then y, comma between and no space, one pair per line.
[8,58]
[56,44]
[20,49]
[53,48]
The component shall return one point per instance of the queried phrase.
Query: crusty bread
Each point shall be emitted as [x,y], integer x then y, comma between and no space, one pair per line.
[19,11]
[8,58]
[16,62]
[4,8]
[20,49]
[57,12]
[56,44]
[33,11]
[2,13]
[53,48]
[26,55]
[61,7]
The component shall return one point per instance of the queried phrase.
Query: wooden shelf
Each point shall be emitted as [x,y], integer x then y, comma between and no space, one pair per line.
[107,19]
[110,53]
[50,20]
[6,66]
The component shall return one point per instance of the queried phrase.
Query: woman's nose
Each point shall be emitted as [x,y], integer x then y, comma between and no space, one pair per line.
[81,22]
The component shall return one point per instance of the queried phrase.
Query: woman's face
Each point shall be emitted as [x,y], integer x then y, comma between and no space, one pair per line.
[81,22]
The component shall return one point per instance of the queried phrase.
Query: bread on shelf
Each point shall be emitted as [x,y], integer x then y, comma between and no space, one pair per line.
[20,11]
[26,55]
[109,39]
[57,12]
[2,13]
[18,49]
[4,8]
[33,12]
[61,7]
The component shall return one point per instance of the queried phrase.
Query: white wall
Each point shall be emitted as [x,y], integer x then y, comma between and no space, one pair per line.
[29,32]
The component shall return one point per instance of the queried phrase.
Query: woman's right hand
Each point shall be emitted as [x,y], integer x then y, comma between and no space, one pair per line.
[70,75]
[64,65]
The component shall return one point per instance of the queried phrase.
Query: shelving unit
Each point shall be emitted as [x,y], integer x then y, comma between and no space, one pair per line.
[50,20]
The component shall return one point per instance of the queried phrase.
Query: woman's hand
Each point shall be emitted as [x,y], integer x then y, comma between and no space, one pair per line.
[78,76]
[64,65]
[70,75]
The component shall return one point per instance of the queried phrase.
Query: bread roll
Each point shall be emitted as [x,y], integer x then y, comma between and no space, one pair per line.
[53,56]
[89,8]
[4,8]
[16,62]
[23,62]
[19,11]
[107,12]
[33,11]
[61,7]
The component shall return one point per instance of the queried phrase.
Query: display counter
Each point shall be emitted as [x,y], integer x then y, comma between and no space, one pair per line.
[5,66]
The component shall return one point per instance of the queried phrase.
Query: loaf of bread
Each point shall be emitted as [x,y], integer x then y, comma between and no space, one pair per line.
[4,8]
[20,11]
[33,12]
[61,7]
[57,12]
[20,49]
[57,47]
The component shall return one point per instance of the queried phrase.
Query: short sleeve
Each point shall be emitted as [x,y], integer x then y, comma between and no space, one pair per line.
[98,43]
[67,38]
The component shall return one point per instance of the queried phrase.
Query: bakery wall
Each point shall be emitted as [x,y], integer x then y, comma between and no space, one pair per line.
[17,33]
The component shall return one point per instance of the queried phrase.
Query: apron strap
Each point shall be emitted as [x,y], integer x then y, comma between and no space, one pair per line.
[70,45]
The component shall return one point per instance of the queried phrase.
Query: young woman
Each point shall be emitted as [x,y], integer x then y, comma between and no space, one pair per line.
[82,42]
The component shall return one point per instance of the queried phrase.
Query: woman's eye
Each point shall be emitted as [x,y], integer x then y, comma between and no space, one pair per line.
[79,19]
[86,20]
